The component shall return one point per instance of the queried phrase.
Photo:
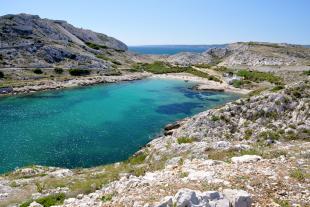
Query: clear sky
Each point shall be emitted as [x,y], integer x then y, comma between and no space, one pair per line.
[144,22]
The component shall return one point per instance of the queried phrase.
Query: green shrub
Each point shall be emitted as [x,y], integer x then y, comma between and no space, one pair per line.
[137,159]
[237,83]
[40,187]
[79,72]
[95,46]
[277,88]
[215,118]
[58,70]
[106,198]
[52,200]
[248,133]
[203,65]
[113,73]
[269,135]
[26,204]
[1,74]
[184,140]
[100,56]
[307,72]
[257,76]
[37,71]
[297,174]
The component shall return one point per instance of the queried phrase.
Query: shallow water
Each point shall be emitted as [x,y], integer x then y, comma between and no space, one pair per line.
[95,125]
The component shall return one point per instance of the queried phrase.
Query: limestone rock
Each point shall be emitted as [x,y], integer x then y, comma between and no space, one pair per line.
[246,158]
[238,198]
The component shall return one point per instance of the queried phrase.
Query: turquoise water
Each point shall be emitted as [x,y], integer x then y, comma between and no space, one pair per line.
[95,125]
[171,49]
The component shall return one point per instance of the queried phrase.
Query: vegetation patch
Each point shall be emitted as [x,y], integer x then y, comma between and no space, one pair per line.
[1,74]
[215,118]
[96,46]
[79,72]
[51,200]
[106,198]
[37,71]
[161,68]
[273,45]
[58,70]
[185,140]
[257,76]
[298,174]
[138,159]
[277,88]
[270,135]
[248,133]
[307,72]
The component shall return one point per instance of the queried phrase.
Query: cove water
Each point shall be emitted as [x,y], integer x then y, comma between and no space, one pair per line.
[95,125]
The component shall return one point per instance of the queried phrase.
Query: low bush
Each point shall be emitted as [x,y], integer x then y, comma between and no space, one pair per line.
[237,83]
[100,56]
[248,133]
[58,70]
[277,88]
[270,135]
[52,200]
[161,67]
[137,159]
[257,76]
[79,72]
[215,118]
[1,74]
[307,72]
[203,65]
[95,46]
[106,198]
[184,140]
[37,71]
[297,174]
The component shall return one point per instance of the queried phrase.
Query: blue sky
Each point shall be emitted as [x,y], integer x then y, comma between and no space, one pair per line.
[144,22]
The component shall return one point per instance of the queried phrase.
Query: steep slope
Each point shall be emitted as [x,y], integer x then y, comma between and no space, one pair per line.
[29,41]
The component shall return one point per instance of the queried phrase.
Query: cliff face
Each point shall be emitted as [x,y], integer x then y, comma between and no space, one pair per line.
[29,41]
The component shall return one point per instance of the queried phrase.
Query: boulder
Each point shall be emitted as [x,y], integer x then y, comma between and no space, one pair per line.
[35,204]
[246,158]
[186,198]
[238,198]
[166,202]
[169,127]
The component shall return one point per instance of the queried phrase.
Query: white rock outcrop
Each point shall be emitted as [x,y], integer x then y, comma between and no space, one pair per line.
[246,158]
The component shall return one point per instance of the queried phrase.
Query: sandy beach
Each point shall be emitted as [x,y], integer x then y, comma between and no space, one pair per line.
[202,83]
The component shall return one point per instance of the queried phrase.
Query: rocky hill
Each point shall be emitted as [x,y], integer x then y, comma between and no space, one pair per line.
[27,41]
[248,54]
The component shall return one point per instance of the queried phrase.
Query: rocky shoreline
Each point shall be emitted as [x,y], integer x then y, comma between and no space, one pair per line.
[45,85]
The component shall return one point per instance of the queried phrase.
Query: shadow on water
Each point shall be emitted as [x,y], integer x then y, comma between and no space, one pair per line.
[185,108]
